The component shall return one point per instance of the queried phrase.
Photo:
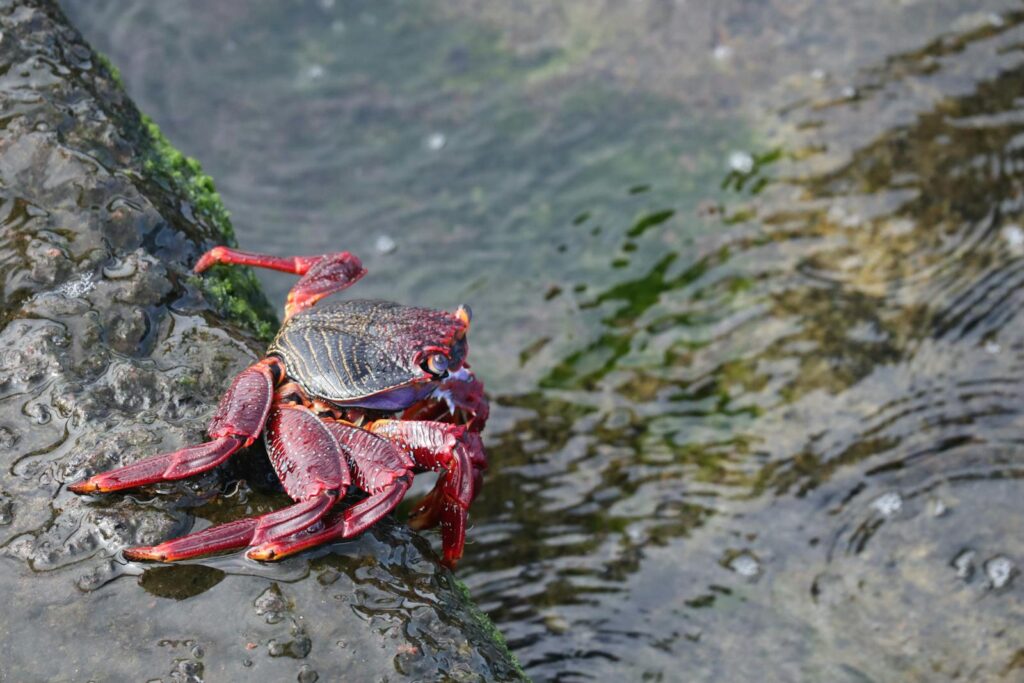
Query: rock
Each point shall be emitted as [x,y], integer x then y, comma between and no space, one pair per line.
[110,350]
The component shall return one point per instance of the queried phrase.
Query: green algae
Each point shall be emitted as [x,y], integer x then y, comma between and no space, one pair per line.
[233,291]
[112,71]
[487,626]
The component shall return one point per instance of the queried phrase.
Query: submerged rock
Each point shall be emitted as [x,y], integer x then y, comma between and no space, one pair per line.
[111,350]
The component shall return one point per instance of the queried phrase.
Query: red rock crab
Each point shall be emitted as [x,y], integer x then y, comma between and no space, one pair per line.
[363,392]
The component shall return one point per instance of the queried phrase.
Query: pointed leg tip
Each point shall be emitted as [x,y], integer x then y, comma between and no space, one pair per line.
[97,484]
[83,487]
[262,554]
[452,547]
[145,552]
[90,485]
[208,259]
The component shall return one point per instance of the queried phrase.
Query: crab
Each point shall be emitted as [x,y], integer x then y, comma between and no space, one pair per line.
[356,392]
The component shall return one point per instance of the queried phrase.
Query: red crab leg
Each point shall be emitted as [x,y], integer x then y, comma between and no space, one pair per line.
[459,455]
[381,469]
[240,533]
[321,275]
[312,469]
[296,265]
[237,422]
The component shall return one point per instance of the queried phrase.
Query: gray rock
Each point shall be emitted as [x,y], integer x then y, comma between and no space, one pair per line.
[110,350]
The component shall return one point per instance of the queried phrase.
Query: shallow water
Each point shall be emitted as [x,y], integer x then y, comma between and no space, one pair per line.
[746,282]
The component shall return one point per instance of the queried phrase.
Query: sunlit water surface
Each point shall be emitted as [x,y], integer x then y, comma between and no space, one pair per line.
[748,289]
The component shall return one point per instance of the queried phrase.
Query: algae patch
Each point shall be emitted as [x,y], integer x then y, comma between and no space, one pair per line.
[113,71]
[234,292]
[487,626]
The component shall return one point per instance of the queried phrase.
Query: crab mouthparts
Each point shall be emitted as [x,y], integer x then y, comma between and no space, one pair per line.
[441,405]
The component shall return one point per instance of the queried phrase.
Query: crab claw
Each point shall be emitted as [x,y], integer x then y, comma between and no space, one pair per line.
[457,454]
[467,397]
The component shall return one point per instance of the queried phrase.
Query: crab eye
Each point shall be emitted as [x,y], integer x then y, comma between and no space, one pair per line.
[437,364]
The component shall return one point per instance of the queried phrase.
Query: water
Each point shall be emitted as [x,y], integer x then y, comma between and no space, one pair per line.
[746,279]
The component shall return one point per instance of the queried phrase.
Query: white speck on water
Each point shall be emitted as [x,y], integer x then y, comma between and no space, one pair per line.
[436,141]
[992,347]
[865,331]
[556,623]
[888,504]
[327,4]
[999,571]
[846,219]
[741,162]
[80,286]
[964,564]
[385,245]
[314,72]
[746,565]
[900,226]
[852,262]
[722,53]
[848,93]
[1014,237]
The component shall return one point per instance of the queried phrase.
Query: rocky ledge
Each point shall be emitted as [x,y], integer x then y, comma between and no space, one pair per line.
[110,350]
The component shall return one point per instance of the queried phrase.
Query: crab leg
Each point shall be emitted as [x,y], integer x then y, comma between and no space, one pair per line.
[296,265]
[321,275]
[311,466]
[237,422]
[458,454]
[240,533]
[381,469]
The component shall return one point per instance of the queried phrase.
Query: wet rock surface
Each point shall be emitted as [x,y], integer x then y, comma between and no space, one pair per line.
[109,351]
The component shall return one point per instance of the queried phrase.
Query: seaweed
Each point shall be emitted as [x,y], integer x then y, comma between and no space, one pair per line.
[233,291]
